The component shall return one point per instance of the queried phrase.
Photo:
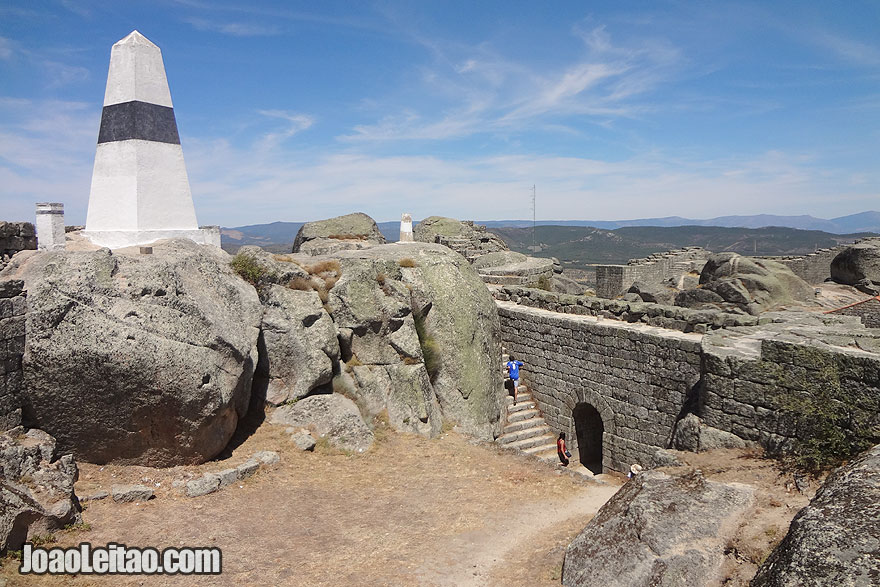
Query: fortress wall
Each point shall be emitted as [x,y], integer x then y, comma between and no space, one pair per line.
[637,377]
[13,307]
[642,379]
[748,395]
[613,280]
[868,311]
[663,316]
[815,267]
[15,237]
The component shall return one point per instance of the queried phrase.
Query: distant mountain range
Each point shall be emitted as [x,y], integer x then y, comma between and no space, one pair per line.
[276,234]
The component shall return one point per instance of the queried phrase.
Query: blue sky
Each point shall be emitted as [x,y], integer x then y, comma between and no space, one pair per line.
[306,110]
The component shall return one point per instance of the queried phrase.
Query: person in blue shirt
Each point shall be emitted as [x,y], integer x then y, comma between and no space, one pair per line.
[512,367]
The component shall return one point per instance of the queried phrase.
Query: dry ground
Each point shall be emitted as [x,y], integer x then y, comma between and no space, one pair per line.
[409,512]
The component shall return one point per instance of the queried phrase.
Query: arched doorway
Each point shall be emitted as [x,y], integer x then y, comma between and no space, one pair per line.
[589,429]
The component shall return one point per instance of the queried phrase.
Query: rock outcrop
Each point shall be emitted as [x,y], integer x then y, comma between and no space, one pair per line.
[141,359]
[325,237]
[300,341]
[328,415]
[859,266]
[464,237]
[36,488]
[394,304]
[753,285]
[692,435]
[836,539]
[658,530]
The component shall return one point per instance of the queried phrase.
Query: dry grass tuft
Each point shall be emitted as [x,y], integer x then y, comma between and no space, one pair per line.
[407,262]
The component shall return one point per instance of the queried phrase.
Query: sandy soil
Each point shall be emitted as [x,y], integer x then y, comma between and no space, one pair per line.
[411,511]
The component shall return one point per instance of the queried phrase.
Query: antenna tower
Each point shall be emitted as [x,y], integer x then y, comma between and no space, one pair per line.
[534,222]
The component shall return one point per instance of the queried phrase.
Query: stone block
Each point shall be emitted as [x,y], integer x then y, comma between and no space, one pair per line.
[5,308]
[130,493]
[19,306]
[207,483]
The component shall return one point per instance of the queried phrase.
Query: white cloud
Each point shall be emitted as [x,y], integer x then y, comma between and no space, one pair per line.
[487,93]
[5,48]
[295,123]
[236,29]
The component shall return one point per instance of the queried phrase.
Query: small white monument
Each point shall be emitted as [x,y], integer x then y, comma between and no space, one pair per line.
[406,233]
[140,191]
[50,226]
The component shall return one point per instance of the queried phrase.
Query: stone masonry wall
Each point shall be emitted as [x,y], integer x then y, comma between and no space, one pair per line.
[673,317]
[613,280]
[13,307]
[867,310]
[815,267]
[742,380]
[747,395]
[638,377]
[15,237]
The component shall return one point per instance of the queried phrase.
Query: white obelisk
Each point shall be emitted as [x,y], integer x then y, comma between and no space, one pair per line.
[140,191]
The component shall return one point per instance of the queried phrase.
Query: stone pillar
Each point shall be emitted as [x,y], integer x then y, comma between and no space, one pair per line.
[50,226]
[406,232]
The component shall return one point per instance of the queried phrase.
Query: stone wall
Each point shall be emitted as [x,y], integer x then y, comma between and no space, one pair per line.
[814,267]
[638,377]
[613,280]
[867,310]
[13,307]
[751,375]
[15,237]
[642,379]
[672,317]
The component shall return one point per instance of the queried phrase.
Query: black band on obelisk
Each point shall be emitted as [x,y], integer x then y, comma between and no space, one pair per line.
[138,120]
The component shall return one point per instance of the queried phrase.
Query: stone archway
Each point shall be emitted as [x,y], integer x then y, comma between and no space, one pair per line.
[589,430]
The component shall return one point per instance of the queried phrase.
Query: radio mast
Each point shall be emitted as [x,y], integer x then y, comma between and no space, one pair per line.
[534,222]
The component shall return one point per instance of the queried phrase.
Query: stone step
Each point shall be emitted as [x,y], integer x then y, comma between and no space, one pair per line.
[522,414]
[521,406]
[523,424]
[533,441]
[539,430]
[520,397]
[544,452]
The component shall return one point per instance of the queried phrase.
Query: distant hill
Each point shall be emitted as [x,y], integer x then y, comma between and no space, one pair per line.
[582,245]
[278,236]
[861,222]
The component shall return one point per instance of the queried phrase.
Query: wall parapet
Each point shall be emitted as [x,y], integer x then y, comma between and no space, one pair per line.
[15,237]
[13,310]
[613,280]
[663,316]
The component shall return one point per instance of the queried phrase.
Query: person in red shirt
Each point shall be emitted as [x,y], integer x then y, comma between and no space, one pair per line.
[562,450]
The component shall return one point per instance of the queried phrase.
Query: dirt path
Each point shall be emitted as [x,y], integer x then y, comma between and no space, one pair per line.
[473,558]
[411,511]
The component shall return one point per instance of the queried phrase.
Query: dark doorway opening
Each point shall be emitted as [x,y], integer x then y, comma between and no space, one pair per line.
[589,429]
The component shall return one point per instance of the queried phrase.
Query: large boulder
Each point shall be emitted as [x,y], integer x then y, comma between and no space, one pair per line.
[301,343]
[469,239]
[324,237]
[858,265]
[36,488]
[423,306]
[141,359]
[754,285]
[836,539]
[328,415]
[658,530]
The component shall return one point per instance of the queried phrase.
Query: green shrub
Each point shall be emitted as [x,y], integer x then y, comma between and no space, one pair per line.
[248,268]
[430,349]
[829,431]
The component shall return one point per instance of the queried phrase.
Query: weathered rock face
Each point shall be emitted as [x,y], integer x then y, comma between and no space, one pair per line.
[466,238]
[836,539]
[859,266]
[658,530]
[373,306]
[36,489]
[278,272]
[330,415]
[301,343]
[138,359]
[692,435]
[324,237]
[754,285]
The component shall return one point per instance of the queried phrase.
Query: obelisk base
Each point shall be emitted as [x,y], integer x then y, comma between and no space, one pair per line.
[117,239]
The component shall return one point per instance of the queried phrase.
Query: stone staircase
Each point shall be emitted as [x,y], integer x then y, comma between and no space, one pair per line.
[526,430]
